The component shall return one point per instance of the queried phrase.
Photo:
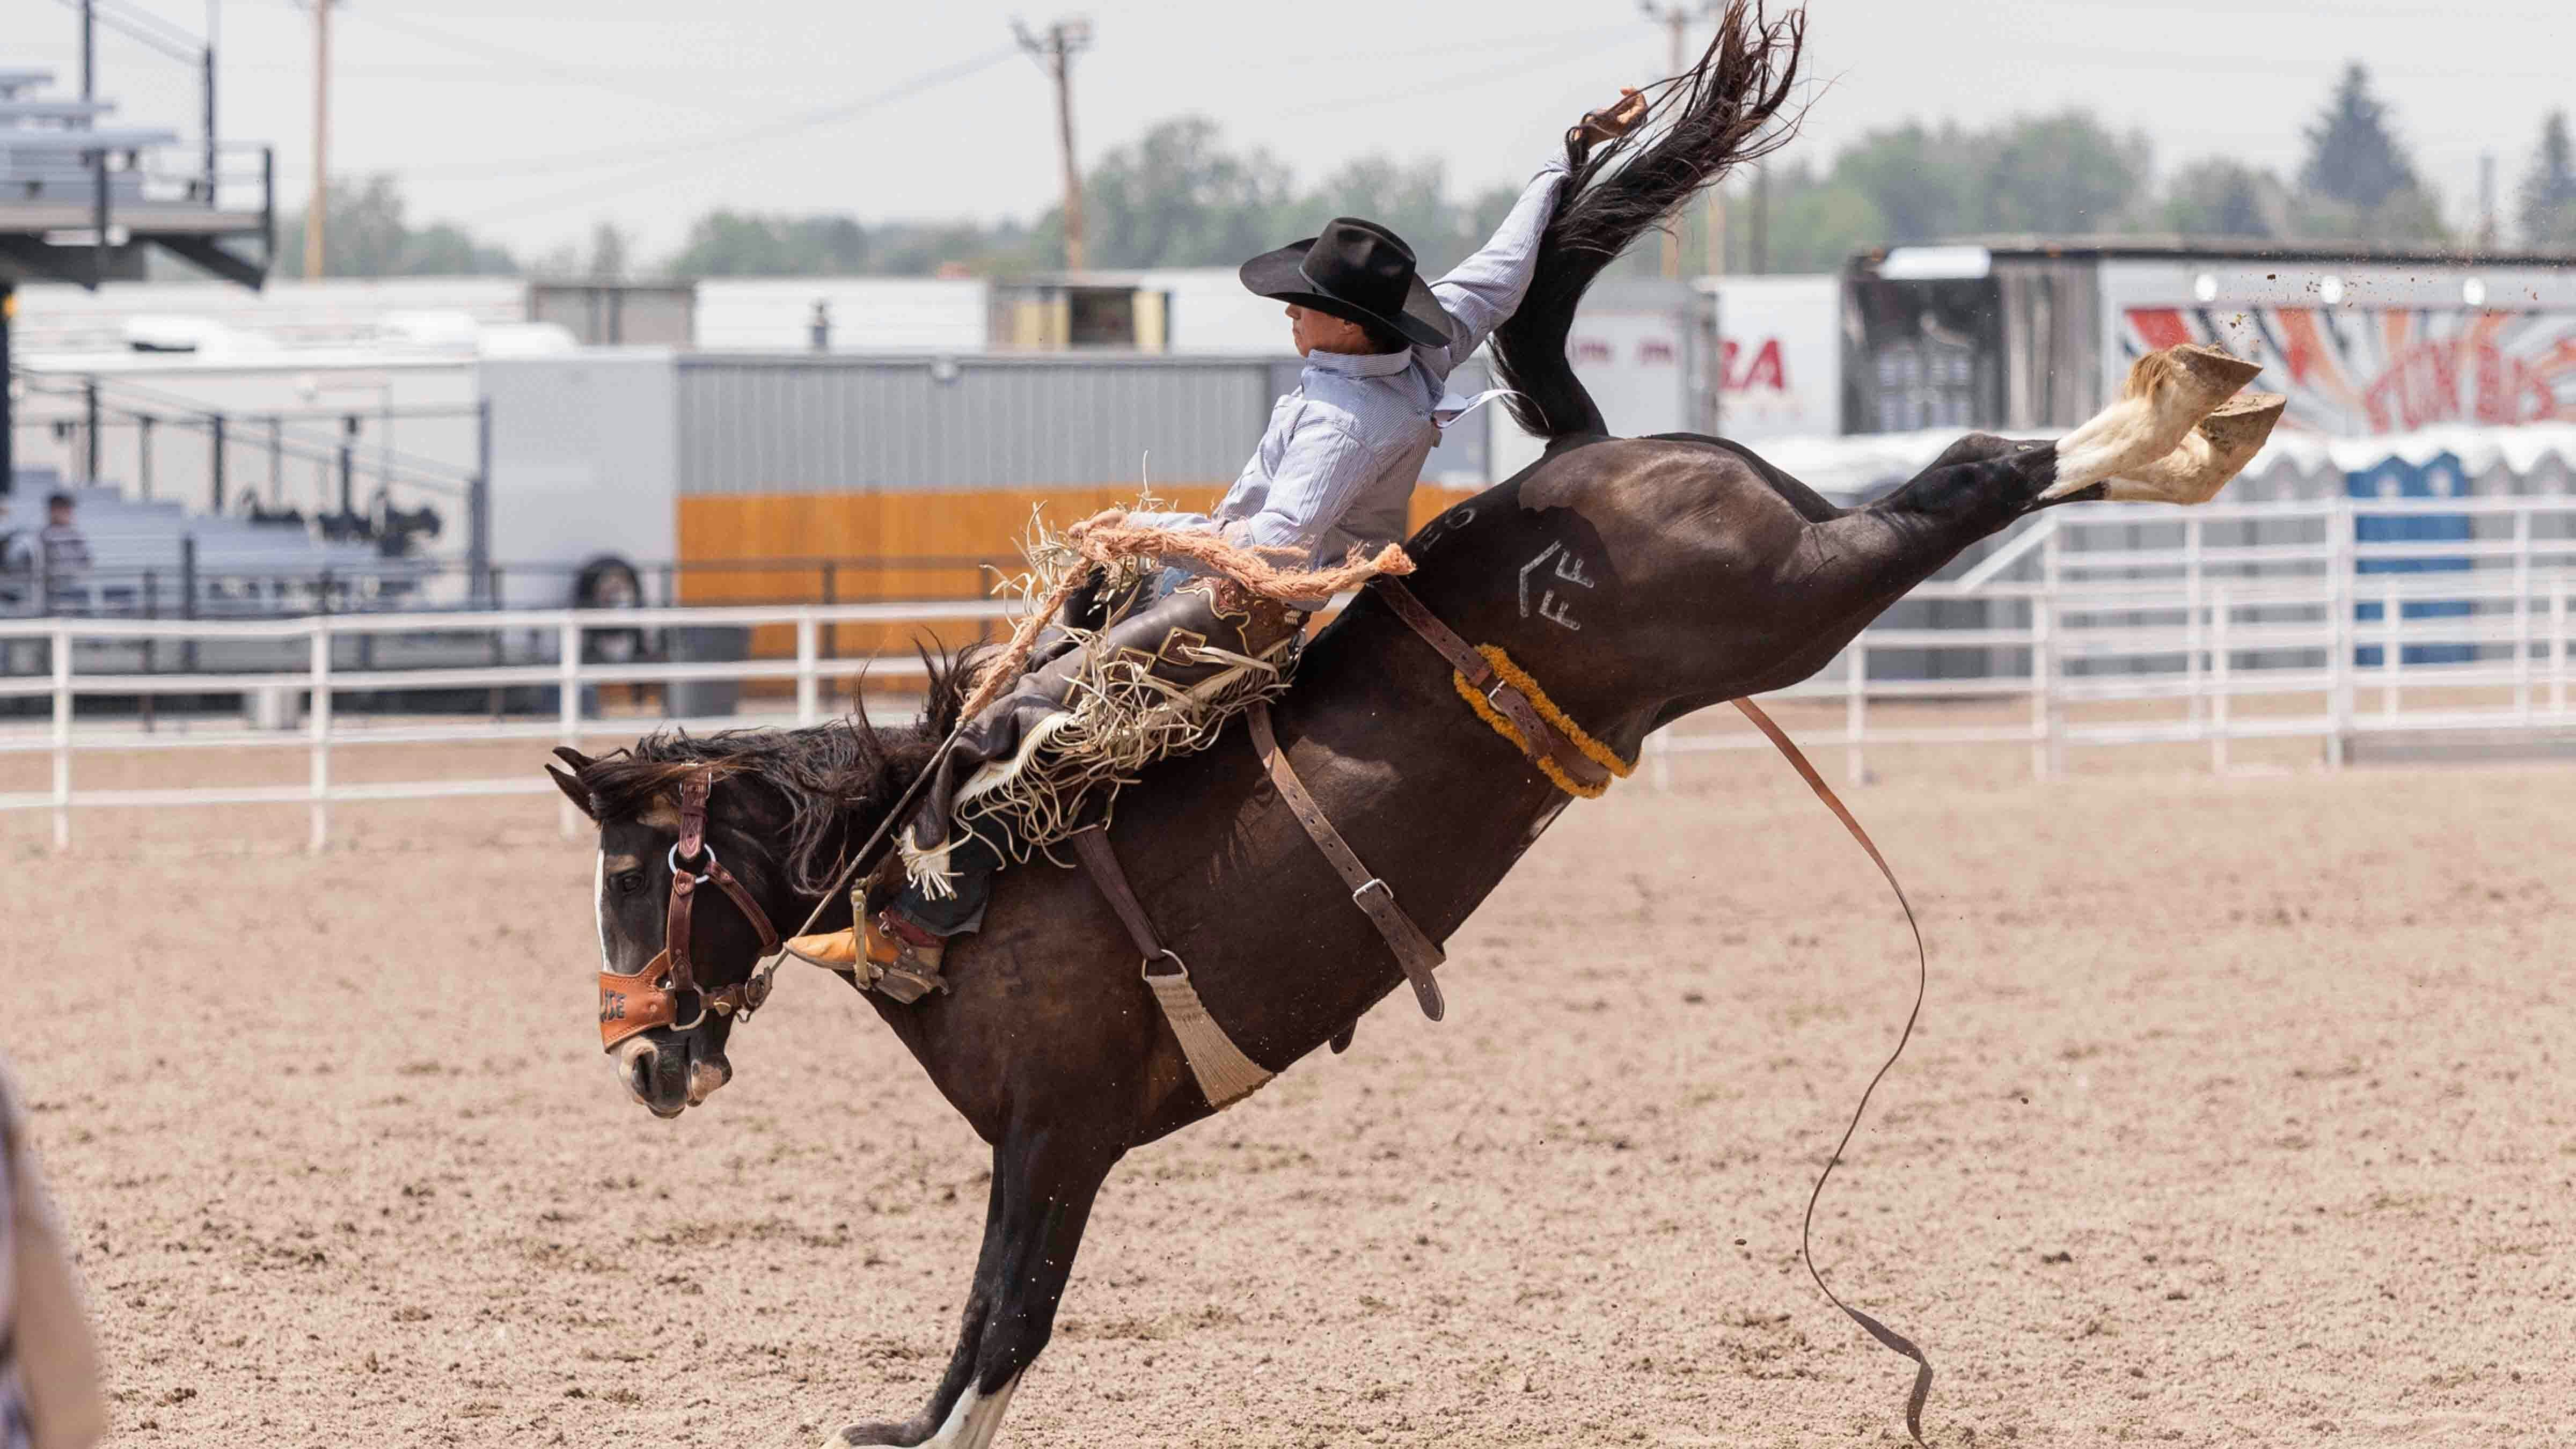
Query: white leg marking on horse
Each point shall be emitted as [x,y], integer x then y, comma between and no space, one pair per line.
[2114,440]
[972,1424]
[2166,395]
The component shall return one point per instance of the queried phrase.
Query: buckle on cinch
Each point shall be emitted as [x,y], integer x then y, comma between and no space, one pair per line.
[1382,889]
[1180,968]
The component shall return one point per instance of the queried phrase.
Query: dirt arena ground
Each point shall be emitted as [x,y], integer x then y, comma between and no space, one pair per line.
[2241,1113]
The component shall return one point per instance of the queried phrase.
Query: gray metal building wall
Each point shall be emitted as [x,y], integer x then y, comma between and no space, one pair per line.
[791,424]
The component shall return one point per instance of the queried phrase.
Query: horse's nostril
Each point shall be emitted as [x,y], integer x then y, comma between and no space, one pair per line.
[639,1074]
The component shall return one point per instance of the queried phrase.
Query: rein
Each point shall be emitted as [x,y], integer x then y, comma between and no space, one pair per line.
[651,997]
[1511,703]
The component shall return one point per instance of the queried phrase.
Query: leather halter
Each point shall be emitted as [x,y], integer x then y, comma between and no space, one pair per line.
[651,997]
[1540,740]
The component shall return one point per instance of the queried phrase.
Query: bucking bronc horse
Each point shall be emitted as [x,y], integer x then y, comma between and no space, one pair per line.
[1630,581]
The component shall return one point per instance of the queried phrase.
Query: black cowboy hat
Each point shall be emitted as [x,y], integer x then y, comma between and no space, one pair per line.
[1357,271]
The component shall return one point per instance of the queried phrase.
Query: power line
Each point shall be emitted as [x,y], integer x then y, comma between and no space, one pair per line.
[616,155]
[536,63]
[810,120]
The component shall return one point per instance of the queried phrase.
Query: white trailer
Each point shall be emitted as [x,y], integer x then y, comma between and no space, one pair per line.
[2028,334]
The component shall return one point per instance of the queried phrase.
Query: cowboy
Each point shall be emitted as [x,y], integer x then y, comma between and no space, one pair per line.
[1335,471]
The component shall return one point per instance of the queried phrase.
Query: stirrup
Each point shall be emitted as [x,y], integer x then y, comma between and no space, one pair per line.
[902,968]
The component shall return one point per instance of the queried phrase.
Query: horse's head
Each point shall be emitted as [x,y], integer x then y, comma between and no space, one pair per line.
[685,891]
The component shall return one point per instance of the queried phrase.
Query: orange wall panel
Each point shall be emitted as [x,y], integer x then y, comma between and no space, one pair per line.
[892,546]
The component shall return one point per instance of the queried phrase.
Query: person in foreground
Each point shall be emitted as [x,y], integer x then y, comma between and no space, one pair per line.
[1334,473]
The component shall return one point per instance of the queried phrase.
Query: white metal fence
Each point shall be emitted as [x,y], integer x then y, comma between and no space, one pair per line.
[568,675]
[2224,624]
[2335,634]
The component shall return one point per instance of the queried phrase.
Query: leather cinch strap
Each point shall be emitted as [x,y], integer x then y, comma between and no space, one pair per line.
[1413,950]
[1540,740]
[1225,1075]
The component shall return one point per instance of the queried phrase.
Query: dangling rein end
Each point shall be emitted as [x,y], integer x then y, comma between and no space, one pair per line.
[1519,678]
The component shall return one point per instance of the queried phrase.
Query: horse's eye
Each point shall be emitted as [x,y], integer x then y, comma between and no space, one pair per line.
[627,882]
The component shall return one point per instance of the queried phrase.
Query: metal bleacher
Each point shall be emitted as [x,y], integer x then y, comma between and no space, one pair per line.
[152,558]
[97,193]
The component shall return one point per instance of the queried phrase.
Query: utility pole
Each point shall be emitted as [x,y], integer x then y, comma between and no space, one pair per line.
[2486,201]
[1760,260]
[316,209]
[1054,50]
[1676,19]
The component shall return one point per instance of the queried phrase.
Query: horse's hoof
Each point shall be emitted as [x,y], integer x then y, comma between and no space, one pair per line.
[2167,396]
[2199,376]
[2208,458]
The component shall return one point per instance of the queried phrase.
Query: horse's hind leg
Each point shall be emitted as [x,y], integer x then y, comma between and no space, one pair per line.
[1044,1182]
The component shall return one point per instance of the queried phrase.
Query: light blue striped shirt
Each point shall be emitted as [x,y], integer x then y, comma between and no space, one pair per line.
[1337,465]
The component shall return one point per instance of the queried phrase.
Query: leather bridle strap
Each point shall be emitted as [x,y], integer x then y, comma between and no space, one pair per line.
[1539,739]
[1413,950]
[651,997]
[692,847]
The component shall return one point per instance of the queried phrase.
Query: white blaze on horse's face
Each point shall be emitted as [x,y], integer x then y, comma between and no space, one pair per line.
[599,904]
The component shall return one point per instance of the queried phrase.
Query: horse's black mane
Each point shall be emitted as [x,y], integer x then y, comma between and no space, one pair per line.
[834,779]
[1730,108]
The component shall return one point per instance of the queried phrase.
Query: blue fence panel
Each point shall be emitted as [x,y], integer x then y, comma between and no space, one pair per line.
[2439,477]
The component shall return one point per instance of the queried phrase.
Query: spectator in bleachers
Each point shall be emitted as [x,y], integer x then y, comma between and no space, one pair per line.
[62,551]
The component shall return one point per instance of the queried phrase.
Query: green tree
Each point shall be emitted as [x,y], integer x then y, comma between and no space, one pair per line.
[2218,197]
[2353,157]
[1815,222]
[367,234]
[726,243]
[2548,199]
[1177,197]
[1924,183]
[609,251]
[2064,174]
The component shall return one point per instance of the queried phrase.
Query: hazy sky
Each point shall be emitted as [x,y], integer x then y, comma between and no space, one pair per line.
[532,126]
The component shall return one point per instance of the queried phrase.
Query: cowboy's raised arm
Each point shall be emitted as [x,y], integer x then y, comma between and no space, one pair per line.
[1482,292]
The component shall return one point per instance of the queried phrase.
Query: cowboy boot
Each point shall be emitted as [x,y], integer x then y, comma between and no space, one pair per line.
[883,952]
[893,956]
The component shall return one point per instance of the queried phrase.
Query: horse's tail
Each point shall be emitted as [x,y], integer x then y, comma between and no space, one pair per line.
[1725,110]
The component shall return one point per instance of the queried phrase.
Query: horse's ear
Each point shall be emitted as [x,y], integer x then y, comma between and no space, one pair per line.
[573,789]
[574,758]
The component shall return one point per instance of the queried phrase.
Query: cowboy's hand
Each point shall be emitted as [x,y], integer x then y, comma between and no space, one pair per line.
[1616,120]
